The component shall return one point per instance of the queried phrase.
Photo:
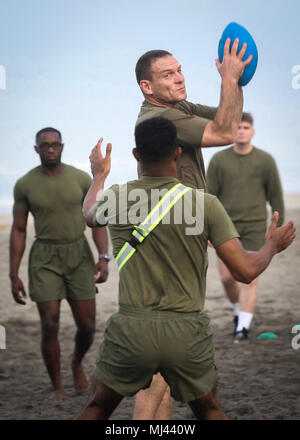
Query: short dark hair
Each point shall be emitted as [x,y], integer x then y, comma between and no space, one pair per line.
[247,117]
[155,139]
[142,68]
[46,130]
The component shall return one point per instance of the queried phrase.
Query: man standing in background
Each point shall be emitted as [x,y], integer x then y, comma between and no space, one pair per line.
[61,264]
[245,178]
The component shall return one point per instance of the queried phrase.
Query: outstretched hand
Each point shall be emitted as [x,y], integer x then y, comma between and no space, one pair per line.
[100,165]
[283,236]
[233,65]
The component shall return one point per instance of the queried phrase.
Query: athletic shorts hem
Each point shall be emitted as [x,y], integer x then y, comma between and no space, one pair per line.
[106,379]
[196,395]
[39,299]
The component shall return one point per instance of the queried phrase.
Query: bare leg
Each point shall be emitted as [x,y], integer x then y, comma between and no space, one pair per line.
[208,407]
[102,403]
[248,296]
[231,287]
[154,403]
[84,315]
[49,314]
[164,410]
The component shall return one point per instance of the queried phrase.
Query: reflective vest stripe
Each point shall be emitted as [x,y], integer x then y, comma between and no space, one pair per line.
[125,253]
[151,221]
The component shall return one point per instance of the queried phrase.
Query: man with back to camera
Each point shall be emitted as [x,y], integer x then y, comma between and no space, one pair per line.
[161,326]
[61,264]
[160,78]
[245,178]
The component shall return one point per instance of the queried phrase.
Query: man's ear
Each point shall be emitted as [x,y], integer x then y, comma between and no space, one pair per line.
[177,153]
[146,87]
[136,154]
[36,149]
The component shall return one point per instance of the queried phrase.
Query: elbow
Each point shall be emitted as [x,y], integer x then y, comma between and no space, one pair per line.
[232,134]
[244,277]
[229,138]
[226,137]
[88,218]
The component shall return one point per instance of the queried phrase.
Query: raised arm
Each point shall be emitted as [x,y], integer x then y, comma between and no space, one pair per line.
[100,167]
[245,266]
[16,251]
[222,130]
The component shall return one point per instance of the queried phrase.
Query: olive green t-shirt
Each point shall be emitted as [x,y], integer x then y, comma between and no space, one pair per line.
[190,121]
[54,201]
[244,183]
[168,270]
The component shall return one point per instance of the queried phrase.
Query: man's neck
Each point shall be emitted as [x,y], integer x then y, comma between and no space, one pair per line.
[243,148]
[158,171]
[52,171]
[161,103]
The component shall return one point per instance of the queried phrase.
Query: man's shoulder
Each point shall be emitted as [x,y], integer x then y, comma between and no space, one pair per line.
[225,152]
[149,110]
[262,153]
[77,172]
[29,176]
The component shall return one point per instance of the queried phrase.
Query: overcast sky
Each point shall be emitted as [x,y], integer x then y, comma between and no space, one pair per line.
[70,64]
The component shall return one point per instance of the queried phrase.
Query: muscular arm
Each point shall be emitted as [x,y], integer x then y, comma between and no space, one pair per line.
[245,266]
[101,241]
[92,198]
[16,251]
[222,130]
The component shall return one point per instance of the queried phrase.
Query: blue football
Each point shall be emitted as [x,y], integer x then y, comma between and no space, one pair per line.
[233,31]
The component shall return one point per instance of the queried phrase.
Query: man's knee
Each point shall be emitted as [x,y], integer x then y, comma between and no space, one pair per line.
[87,328]
[50,327]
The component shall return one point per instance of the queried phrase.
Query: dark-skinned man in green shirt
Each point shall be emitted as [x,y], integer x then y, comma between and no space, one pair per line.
[245,178]
[61,264]
[161,326]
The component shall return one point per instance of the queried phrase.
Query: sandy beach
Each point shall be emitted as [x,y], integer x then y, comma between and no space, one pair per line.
[258,380]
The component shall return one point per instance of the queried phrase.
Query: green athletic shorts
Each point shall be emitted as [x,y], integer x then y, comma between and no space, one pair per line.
[61,270]
[252,234]
[137,344]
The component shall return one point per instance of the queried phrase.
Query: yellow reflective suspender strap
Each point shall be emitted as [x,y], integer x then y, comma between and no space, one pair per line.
[151,221]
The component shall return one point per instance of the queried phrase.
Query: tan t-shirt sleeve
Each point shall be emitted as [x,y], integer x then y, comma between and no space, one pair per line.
[204,111]
[190,128]
[219,224]
[20,200]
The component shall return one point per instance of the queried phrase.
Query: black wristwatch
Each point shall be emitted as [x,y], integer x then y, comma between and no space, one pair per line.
[106,257]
